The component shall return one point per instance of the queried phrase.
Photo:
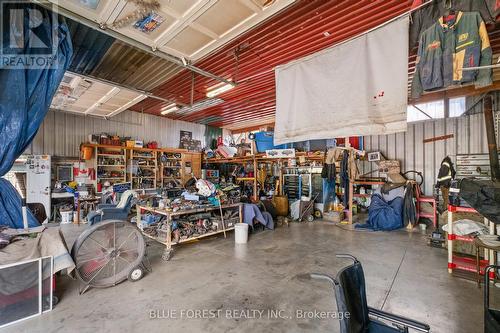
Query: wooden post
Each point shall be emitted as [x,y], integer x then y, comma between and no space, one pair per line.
[241,212]
[491,137]
[138,222]
[255,194]
[222,216]
[351,193]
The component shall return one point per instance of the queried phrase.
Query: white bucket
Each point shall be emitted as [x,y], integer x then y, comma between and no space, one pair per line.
[66,216]
[241,233]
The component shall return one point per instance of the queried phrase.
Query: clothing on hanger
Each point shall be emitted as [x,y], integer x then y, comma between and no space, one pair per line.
[448,47]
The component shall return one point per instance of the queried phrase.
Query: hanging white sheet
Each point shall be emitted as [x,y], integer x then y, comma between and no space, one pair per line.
[356,88]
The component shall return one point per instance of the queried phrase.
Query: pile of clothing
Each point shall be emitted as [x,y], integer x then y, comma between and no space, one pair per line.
[386,211]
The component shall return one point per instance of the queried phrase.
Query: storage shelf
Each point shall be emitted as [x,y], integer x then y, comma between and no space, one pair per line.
[468,264]
[146,157]
[111,155]
[361,182]
[109,165]
[242,179]
[144,177]
[359,195]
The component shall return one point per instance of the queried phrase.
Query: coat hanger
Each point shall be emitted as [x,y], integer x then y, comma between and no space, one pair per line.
[449,13]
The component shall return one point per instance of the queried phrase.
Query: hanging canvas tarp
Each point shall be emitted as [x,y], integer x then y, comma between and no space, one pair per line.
[36,50]
[352,89]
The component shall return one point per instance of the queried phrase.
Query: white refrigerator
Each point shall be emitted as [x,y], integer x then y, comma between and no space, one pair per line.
[31,176]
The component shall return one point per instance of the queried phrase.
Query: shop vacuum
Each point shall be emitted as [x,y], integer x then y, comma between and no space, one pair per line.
[437,236]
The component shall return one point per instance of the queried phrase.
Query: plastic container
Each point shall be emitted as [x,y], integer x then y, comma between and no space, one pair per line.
[66,216]
[281,204]
[87,153]
[265,141]
[241,233]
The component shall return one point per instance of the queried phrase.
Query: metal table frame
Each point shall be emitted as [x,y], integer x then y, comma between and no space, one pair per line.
[170,215]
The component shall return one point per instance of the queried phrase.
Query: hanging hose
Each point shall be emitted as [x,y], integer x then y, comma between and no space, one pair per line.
[409,208]
[418,173]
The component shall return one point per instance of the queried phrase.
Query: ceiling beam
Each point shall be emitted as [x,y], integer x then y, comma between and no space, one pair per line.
[122,86]
[126,39]
[464,91]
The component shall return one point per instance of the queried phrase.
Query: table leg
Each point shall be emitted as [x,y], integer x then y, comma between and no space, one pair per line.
[167,253]
[491,255]
[139,218]
[478,267]
[241,213]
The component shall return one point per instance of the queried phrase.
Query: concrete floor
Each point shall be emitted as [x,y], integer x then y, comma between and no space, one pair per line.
[403,276]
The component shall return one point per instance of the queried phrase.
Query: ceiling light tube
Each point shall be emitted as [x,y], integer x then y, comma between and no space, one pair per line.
[219,90]
[169,108]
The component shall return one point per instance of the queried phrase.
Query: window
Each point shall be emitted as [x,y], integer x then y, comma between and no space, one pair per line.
[457,106]
[434,110]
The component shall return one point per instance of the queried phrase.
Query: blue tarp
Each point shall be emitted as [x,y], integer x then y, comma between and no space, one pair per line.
[28,84]
[383,215]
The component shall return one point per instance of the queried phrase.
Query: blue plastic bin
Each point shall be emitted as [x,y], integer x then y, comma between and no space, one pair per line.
[265,141]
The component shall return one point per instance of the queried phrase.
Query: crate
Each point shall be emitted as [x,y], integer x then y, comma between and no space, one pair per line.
[334,216]
[265,141]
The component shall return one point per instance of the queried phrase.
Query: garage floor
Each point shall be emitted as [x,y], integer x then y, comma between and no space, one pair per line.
[403,276]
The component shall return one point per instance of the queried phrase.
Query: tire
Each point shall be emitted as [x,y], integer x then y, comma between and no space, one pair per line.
[136,274]
[310,218]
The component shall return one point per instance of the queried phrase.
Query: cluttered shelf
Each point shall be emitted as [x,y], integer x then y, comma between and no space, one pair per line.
[181,224]
[190,239]
[261,157]
[207,208]
[465,264]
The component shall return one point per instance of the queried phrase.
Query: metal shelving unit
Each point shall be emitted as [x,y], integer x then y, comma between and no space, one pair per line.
[142,168]
[463,263]
[110,163]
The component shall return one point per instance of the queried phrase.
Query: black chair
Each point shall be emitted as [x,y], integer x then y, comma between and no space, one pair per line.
[491,316]
[350,293]
[38,210]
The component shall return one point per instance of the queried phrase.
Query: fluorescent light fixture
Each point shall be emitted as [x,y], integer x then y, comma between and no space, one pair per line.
[169,108]
[103,99]
[201,105]
[127,105]
[219,90]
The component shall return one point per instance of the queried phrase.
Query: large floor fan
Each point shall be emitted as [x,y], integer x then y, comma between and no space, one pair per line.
[108,253]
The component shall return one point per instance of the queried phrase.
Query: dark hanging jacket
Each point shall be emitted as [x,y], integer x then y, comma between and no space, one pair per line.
[426,16]
[447,48]
[446,173]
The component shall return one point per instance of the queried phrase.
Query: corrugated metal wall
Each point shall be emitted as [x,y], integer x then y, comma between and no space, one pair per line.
[61,133]
[469,138]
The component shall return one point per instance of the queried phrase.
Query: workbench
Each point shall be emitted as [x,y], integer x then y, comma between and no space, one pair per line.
[170,217]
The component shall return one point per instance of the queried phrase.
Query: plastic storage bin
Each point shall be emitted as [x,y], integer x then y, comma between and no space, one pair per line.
[265,141]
